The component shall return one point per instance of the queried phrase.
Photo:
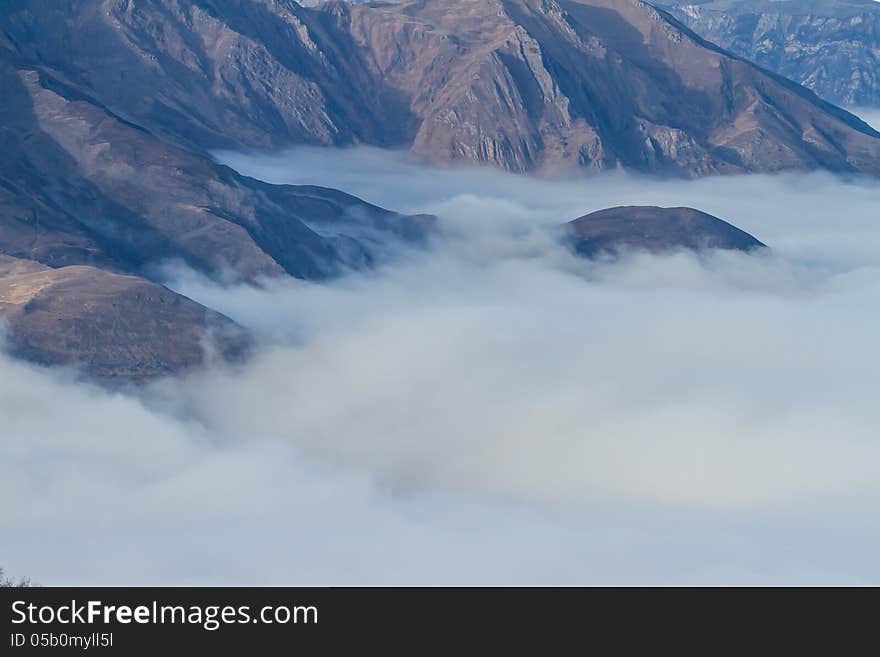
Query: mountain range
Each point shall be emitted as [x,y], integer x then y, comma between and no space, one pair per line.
[829,46]
[111,110]
[92,206]
[519,84]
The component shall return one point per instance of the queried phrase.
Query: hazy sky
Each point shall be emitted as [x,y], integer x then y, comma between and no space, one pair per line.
[491,410]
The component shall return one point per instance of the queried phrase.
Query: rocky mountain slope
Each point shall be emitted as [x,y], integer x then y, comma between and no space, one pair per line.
[520,84]
[655,230]
[79,185]
[829,46]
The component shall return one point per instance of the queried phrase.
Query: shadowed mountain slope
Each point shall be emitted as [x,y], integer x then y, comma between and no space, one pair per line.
[80,185]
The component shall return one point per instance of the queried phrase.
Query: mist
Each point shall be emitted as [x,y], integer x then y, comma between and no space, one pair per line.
[491,409]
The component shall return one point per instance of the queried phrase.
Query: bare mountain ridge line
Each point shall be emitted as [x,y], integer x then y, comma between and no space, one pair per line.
[520,84]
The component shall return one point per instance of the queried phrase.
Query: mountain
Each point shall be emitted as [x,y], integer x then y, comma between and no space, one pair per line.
[829,46]
[210,73]
[519,84]
[117,328]
[79,185]
[111,108]
[655,230]
[91,206]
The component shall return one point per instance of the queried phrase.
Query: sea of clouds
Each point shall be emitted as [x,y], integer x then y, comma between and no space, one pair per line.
[490,409]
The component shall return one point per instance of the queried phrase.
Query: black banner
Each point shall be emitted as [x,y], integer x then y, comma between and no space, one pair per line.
[247,621]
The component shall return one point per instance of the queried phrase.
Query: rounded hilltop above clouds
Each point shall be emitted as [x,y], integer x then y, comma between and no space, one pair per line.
[116,328]
[654,229]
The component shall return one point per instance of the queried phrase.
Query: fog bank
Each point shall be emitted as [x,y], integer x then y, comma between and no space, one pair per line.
[490,410]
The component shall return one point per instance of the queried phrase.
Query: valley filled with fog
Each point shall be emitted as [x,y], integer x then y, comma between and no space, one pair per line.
[489,409]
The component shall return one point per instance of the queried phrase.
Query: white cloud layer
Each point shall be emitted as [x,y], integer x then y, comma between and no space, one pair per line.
[493,410]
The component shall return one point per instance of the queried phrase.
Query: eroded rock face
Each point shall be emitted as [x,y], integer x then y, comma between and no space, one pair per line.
[520,84]
[654,229]
[829,46]
[210,73]
[116,328]
[601,83]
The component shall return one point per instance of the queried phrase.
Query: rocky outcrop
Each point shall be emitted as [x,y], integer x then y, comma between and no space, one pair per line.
[116,328]
[829,46]
[655,230]
[520,84]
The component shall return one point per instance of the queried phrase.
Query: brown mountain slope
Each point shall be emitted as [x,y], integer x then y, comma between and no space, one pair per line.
[525,83]
[118,328]
[521,84]
[79,185]
[655,230]
[93,196]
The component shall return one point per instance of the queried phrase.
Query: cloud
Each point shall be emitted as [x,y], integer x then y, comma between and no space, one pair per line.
[491,410]
[659,380]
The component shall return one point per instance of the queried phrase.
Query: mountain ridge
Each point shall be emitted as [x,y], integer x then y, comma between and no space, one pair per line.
[829,46]
[518,84]
[93,205]
[120,198]
[111,109]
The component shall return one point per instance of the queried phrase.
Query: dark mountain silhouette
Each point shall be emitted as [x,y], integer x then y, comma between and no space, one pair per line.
[653,229]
